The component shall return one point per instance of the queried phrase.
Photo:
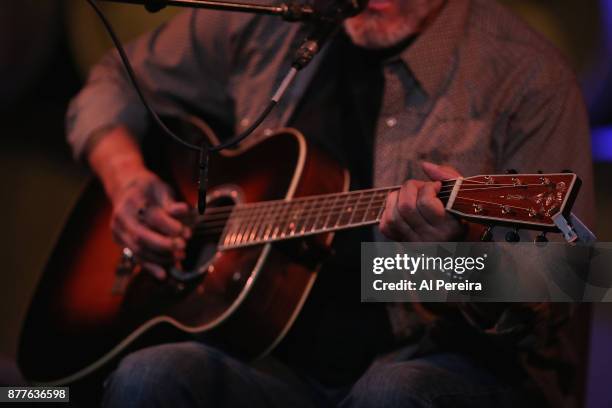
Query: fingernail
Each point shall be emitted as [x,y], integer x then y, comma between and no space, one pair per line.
[179,243]
[157,271]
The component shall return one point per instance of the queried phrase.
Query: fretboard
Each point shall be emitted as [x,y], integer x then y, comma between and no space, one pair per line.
[271,221]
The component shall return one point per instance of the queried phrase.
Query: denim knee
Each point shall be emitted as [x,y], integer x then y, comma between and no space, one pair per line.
[161,376]
[427,383]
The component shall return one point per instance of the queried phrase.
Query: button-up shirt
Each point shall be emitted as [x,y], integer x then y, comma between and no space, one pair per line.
[478,90]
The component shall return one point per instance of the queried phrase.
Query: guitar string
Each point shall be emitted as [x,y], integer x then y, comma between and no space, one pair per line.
[293,234]
[312,210]
[344,194]
[209,227]
[252,207]
[340,203]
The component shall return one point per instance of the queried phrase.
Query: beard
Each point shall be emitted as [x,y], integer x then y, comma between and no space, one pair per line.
[374,29]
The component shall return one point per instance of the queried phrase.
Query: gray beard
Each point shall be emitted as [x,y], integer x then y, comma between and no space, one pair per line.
[376,32]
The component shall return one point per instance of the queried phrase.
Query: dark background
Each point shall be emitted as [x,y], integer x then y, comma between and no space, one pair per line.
[46,48]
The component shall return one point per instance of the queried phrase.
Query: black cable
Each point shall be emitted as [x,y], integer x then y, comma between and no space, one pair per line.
[132,76]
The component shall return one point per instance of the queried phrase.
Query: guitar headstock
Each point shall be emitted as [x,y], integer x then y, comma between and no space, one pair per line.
[528,201]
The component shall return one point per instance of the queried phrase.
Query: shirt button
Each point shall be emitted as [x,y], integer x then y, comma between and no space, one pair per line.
[391,122]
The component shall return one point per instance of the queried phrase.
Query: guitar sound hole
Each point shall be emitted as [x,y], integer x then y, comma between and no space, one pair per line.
[202,247]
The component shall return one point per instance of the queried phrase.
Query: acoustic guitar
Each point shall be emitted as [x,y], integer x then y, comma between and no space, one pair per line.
[272,211]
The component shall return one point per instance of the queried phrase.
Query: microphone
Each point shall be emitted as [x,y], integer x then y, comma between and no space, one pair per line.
[329,16]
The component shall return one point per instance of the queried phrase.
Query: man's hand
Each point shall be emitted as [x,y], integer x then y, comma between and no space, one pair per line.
[416,214]
[146,218]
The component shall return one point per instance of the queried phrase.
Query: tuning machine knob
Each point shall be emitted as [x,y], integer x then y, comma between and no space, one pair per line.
[541,239]
[513,236]
[487,235]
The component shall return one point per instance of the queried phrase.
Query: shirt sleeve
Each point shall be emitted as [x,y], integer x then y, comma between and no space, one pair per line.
[184,63]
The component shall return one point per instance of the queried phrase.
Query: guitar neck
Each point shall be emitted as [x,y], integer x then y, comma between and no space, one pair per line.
[531,201]
[272,221]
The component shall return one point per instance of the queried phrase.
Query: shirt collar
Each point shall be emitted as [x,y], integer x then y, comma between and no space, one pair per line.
[432,51]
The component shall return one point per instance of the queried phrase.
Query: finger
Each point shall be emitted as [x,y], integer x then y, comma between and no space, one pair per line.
[161,193]
[157,271]
[178,209]
[392,225]
[407,205]
[438,172]
[146,238]
[184,213]
[145,254]
[385,225]
[159,220]
[429,205]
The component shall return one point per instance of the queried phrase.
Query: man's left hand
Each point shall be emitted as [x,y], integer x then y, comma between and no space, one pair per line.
[414,213]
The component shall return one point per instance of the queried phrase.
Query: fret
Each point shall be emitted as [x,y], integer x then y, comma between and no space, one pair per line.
[287,219]
[235,230]
[247,215]
[367,209]
[346,211]
[255,224]
[301,225]
[330,211]
[319,211]
[359,209]
[271,224]
[258,234]
[230,227]
[279,220]
[382,207]
[296,217]
[376,206]
[338,211]
[283,212]
[356,208]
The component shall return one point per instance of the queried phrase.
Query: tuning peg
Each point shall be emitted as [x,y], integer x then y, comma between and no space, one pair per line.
[513,236]
[566,171]
[540,172]
[511,171]
[541,239]
[487,235]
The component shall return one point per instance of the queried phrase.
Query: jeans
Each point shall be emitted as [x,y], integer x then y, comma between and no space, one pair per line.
[191,374]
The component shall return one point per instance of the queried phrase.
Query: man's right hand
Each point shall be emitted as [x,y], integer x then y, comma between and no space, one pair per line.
[146,218]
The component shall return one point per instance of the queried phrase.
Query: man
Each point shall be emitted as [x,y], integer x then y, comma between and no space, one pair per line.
[414,92]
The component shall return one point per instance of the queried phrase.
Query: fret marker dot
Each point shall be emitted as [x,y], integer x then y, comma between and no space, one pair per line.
[391,122]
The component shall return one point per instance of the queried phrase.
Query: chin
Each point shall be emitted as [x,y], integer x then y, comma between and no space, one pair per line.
[377,31]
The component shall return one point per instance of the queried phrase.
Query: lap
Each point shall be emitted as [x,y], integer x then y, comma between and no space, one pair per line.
[191,374]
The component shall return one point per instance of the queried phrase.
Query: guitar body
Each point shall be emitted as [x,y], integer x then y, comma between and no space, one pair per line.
[245,302]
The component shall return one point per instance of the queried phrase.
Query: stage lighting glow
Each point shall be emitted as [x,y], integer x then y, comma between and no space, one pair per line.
[602,144]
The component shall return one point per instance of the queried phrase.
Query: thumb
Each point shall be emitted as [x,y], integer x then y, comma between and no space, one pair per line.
[438,173]
[161,194]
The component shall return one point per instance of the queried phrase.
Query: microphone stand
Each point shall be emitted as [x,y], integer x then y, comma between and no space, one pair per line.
[289,11]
